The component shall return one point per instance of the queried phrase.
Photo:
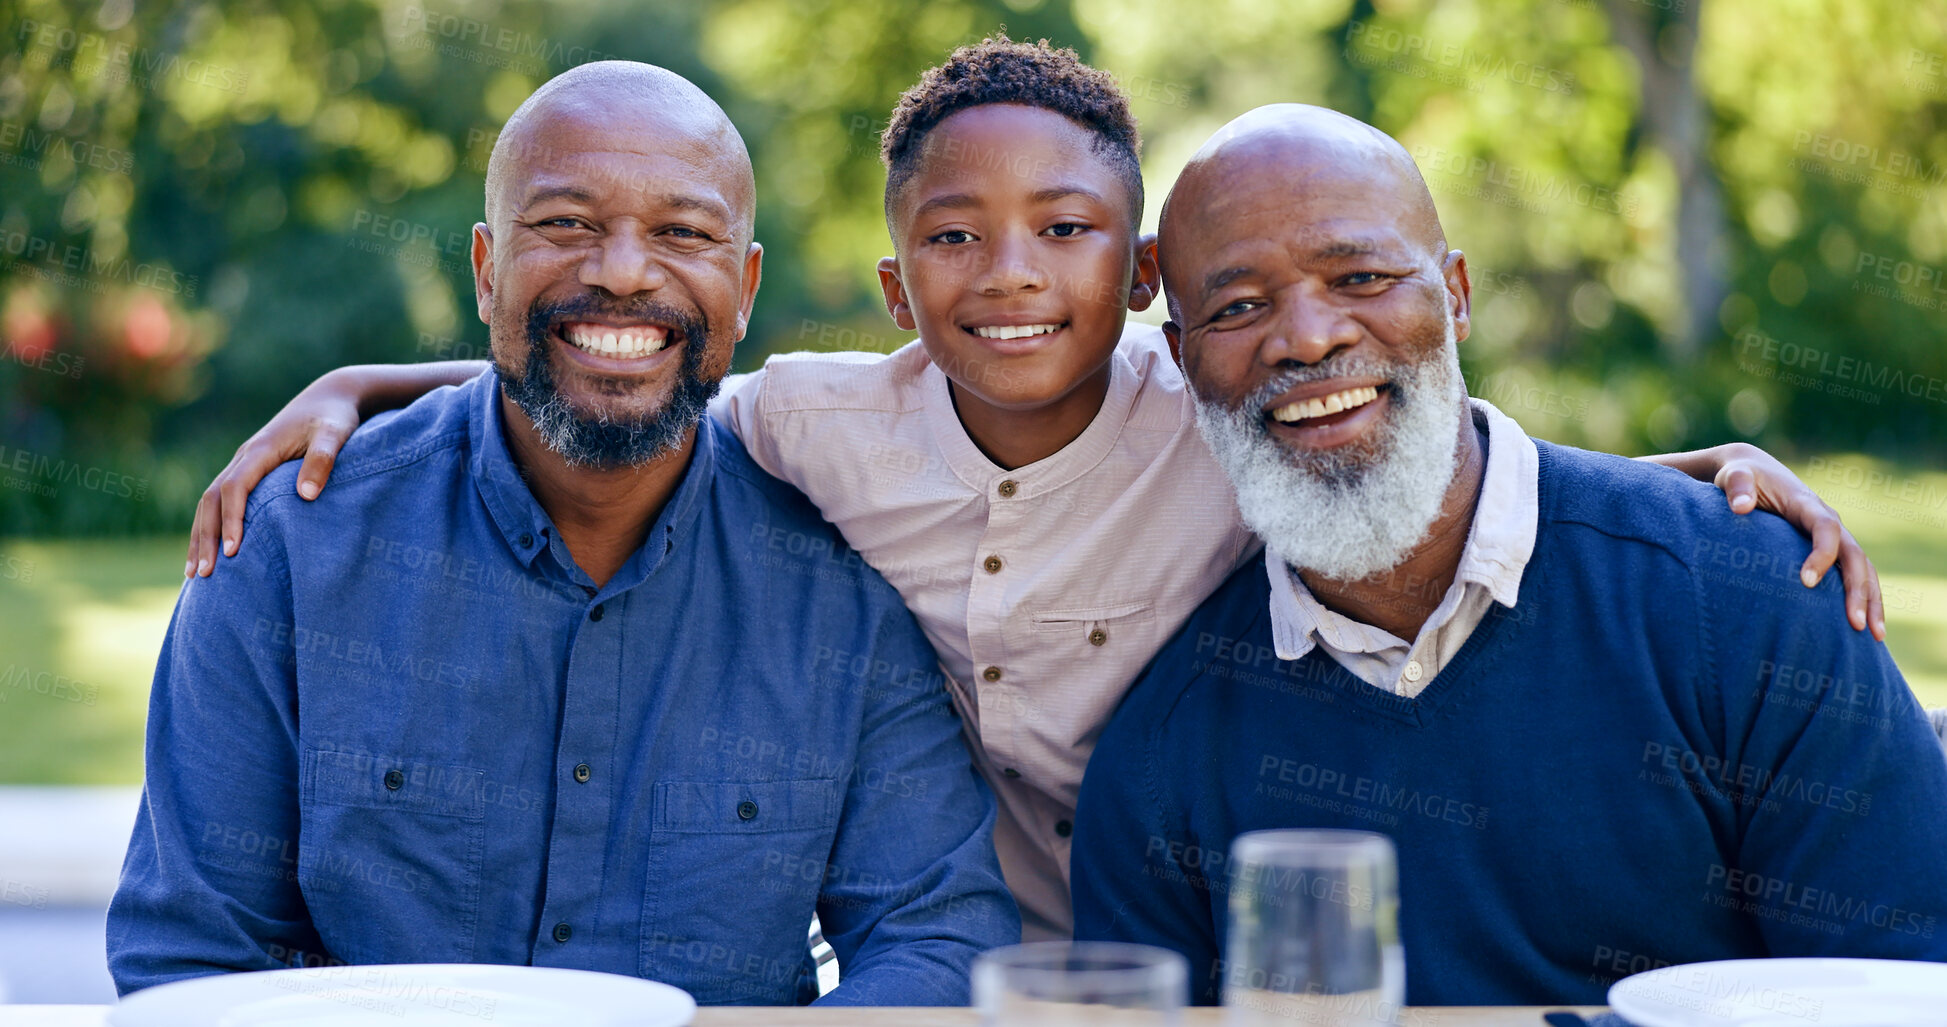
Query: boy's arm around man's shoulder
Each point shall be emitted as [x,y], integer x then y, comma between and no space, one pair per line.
[209,883]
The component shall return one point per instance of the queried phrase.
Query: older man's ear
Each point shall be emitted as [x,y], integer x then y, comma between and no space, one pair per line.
[1460,294]
[483,272]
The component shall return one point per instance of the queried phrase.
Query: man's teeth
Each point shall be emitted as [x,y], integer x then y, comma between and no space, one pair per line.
[1319,406]
[1014,331]
[622,343]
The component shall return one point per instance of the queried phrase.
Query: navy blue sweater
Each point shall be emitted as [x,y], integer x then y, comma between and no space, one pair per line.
[1668,751]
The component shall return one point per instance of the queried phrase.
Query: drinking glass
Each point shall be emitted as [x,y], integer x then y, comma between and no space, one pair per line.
[1314,930]
[1080,984]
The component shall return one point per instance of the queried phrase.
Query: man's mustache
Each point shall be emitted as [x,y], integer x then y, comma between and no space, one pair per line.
[543,315]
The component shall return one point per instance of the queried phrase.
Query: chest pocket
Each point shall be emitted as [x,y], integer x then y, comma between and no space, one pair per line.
[390,856]
[734,873]
[1090,628]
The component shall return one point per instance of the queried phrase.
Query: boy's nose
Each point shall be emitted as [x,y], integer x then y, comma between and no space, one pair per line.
[1011,270]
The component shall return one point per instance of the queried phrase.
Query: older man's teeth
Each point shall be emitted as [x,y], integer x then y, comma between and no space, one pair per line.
[1014,331]
[1319,406]
[621,343]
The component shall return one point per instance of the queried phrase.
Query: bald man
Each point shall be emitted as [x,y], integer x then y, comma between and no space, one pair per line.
[555,675]
[1602,723]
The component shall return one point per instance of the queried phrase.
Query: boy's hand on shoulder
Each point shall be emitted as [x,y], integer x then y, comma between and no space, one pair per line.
[1753,479]
[312,425]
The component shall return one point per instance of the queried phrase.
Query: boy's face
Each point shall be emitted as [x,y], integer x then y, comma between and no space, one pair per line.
[1012,225]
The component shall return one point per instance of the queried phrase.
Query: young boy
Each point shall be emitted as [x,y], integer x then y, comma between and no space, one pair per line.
[1027,474]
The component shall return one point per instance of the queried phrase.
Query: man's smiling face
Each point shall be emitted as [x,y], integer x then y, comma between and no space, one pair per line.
[1317,311]
[617,269]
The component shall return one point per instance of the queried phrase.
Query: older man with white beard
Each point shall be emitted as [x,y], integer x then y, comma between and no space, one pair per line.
[1590,706]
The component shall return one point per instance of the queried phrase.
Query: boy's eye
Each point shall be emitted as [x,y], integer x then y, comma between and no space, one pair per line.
[1067,230]
[952,237]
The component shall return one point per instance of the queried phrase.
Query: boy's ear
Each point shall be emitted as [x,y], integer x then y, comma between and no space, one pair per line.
[896,303]
[1147,281]
[483,272]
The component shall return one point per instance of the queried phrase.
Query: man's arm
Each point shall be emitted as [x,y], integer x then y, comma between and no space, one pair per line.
[1136,874]
[913,891]
[210,881]
[1843,785]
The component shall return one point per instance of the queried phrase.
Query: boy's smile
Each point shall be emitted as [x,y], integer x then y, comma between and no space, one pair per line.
[1018,260]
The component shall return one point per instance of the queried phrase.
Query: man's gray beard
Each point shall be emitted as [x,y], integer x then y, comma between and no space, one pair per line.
[1357,510]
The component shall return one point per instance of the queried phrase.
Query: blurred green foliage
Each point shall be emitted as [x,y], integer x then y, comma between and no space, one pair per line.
[1688,220]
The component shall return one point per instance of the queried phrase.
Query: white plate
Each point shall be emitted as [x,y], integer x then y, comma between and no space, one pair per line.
[1785,993]
[409,995]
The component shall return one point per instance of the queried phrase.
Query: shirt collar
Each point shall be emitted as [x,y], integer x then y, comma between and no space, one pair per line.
[1499,545]
[1072,461]
[527,529]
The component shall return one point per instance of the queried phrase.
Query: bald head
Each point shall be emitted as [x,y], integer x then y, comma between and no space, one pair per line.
[1289,151]
[625,107]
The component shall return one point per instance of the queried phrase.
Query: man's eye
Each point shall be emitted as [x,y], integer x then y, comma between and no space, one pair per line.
[1067,230]
[686,232]
[952,237]
[562,223]
[1363,278]
[1236,308]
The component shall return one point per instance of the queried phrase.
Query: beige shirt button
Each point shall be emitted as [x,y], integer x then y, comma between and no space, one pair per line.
[1098,637]
[1008,487]
[993,564]
[1414,670]
[991,674]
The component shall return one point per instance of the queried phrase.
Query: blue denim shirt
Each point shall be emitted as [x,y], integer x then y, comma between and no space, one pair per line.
[402,726]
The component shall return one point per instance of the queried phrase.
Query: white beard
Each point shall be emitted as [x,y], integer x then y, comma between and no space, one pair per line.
[1358,510]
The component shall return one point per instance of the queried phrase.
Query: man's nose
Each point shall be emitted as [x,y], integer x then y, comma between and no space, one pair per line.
[1309,328]
[1013,268]
[623,263]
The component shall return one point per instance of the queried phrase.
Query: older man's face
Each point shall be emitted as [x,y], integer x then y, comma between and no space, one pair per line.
[1318,314]
[617,277]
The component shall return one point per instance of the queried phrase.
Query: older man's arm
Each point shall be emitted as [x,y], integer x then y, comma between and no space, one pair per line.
[913,891]
[1844,788]
[210,881]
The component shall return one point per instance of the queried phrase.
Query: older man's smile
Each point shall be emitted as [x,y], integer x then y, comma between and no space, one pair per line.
[1322,415]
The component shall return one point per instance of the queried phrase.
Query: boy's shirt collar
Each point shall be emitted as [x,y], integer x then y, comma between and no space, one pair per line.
[1072,461]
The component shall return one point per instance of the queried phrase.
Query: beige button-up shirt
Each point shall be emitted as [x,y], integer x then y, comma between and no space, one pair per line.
[1498,547]
[1044,589]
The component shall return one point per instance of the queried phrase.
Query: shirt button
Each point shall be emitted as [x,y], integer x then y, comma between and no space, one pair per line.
[562,932]
[596,613]
[1008,487]
[1064,828]
[582,773]
[746,810]
[1414,670]
[395,780]
[1098,637]
[527,541]
[991,673]
[1011,772]
[993,564]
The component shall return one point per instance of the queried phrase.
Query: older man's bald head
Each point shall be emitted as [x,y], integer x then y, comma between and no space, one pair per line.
[626,106]
[1289,148]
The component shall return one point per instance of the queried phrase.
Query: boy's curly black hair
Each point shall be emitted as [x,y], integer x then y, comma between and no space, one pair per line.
[999,70]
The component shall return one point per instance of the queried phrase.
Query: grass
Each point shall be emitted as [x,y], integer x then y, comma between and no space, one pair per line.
[81,623]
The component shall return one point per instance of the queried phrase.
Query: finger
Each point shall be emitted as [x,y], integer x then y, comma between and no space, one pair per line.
[202,532]
[1823,525]
[1865,605]
[1740,485]
[318,461]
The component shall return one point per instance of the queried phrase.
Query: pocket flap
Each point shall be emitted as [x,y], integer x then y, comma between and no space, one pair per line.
[1064,620]
[746,807]
[383,782]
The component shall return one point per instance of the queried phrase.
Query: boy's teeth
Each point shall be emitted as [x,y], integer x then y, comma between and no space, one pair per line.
[1319,406]
[624,343]
[1014,331]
